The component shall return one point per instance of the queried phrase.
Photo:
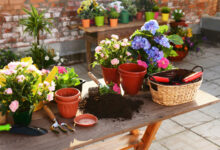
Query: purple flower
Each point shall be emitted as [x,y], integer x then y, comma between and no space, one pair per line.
[154,54]
[162,40]
[140,43]
[151,26]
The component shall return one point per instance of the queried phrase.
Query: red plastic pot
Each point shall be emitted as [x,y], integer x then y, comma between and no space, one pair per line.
[131,77]
[139,16]
[67,109]
[67,94]
[110,75]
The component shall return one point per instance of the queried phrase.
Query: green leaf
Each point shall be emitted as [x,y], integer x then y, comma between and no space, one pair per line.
[162,29]
[175,39]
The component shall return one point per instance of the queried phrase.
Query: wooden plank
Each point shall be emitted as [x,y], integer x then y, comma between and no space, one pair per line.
[149,113]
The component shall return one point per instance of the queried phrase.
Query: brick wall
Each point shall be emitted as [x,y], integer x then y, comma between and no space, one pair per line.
[63,12]
[218,10]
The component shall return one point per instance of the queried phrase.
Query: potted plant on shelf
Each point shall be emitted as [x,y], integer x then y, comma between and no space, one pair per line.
[99,13]
[139,15]
[149,5]
[165,14]
[113,15]
[177,15]
[110,54]
[130,10]
[85,16]
[21,88]
[156,11]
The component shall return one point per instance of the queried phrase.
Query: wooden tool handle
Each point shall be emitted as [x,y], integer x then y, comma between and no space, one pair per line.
[92,76]
[49,112]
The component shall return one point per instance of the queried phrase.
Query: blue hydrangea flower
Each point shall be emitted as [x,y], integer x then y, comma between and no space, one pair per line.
[154,54]
[162,40]
[151,26]
[140,43]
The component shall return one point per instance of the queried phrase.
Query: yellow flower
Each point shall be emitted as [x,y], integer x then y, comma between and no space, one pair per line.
[189,32]
[4,101]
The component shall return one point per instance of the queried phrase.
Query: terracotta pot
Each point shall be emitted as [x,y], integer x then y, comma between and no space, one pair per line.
[180,57]
[139,16]
[67,94]
[67,109]
[113,22]
[131,77]
[110,75]
[86,23]
[180,23]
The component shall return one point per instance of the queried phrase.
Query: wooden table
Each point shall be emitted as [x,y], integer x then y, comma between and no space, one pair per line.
[151,115]
[94,35]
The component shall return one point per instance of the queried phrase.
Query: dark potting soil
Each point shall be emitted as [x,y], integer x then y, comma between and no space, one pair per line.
[110,106]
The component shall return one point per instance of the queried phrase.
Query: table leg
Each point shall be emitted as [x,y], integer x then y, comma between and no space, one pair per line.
[149,136]
[88,54]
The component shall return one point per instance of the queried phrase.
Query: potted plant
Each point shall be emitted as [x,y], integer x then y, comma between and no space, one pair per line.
[99,13]
[156,11]
[21,89]
[149,5]
[132,9]
[113,15]
[139,15]
[67,78]
[165,13]
[110,54]
[85,16]
[177,15]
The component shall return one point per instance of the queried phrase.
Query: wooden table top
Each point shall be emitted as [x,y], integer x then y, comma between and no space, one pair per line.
[150,112]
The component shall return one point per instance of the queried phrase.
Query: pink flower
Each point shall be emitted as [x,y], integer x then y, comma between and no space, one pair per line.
[142,63]
[46,83]
[128,53]
[8,91]
[125,40]
[115,61]
[20,78]
[116,46]
[102,55]
[61,69]
[44,71]
[39,93]
[50,96]
[51,88]
[117,89]
[14,105]
[102,41]
[13,65]
[107,42]
[113,36]
[123,44]
[163,63]
[40,85]
[31,68]
[98,49]
[24,64]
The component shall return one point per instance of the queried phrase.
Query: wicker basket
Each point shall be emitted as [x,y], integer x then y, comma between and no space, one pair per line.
[170,95]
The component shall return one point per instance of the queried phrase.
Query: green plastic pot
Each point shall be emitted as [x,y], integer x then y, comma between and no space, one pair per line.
[99,20]
[149,16]
[124,17]
[23,118]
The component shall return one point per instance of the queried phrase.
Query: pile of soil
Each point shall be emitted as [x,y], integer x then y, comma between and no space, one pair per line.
[110,106]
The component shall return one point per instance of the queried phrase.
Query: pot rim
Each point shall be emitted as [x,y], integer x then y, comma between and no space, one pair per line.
[108,68]
[134,73]
[67,102]
[78,93]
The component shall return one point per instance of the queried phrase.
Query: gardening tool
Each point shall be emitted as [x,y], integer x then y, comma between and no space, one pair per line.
[56,124]
[93,77]
[33,131]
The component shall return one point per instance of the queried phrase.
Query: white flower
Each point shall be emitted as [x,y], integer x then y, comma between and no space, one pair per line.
[62,60]
[183,13]
[56,58]
[0,86]
[125,40]
[175,10]
[180,10]
[59,64]
[114,37]
[47,58]
[46,83]
[172,17]
[58,54]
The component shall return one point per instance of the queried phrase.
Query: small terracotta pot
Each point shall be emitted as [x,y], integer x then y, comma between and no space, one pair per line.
[113,22]
[180,57]
[86,23]
[131,77]
[67,109]
[139,16]
[110,75]
[67,94]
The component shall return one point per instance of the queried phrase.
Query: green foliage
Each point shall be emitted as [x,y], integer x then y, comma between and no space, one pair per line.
[149,5]
[177,15]
[132,9]
[67,79]
[6,56]
[176,39]
[165,10]
[85,14]
[113,14]
[156,8]
[42,57]
[129,6]
[35,23]
[99,11]
[139,5]
[106,90]
[163,29]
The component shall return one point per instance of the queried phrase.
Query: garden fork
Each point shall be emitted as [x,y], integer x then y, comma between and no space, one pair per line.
[56,124]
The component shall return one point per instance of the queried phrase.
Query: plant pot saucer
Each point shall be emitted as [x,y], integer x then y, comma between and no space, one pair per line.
[86,120]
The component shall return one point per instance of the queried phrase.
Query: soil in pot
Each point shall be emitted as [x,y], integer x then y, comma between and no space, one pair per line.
[110,106]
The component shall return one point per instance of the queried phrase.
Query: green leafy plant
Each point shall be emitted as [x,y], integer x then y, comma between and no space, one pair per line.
[139,5]
[129,6]
[35,23]
[85,14]
[165,10]
[177,15]
[44,58]
[132,9]
[66,77]
[113,14]
[155,8]
[148,5]
[6,56]
[99,11]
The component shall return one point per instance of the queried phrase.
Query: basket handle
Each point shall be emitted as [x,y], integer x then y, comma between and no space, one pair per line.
[152,85]
[198,67]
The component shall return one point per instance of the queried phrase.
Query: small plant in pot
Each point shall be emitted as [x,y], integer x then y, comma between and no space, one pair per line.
[149,5]
[110,54]
[177,15]
[165,13]
[156,10]
[21,88]
[130,7]
[85,16]
[99,13]
[113,15]
[139,15]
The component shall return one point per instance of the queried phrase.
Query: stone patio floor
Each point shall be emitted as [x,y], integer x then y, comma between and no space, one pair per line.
[197,130]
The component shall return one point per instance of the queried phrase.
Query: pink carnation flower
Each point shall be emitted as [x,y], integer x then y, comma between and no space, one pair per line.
[117,89]
[116,46]
[61,69]
[9,91]
[163,63]
[20,78]
[142,63]
[128,53]
[98,49]
[14,105]
[13,65]
[44,71]
[102,55]
[50,96]
[115,61]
